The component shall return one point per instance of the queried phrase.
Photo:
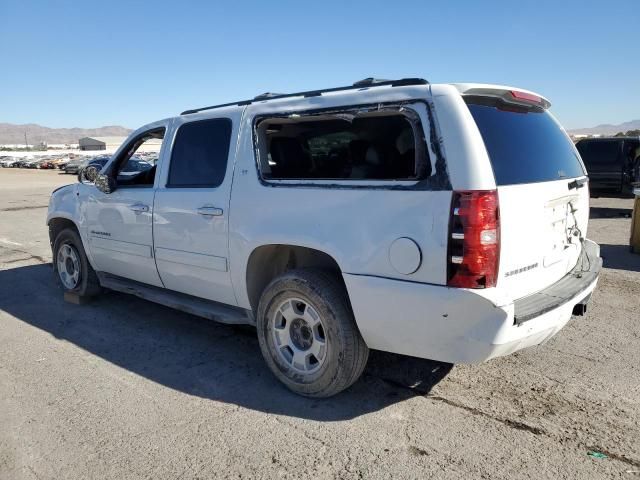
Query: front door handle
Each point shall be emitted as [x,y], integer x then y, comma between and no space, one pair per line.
[209,211]
[139,207]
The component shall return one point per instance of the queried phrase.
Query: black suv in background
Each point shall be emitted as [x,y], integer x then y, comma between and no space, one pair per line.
[613,164]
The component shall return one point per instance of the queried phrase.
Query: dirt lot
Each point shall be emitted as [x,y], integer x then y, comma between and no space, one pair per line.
[123,388]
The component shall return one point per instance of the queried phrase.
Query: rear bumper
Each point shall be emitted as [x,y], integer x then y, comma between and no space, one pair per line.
[462,326]
[563,291]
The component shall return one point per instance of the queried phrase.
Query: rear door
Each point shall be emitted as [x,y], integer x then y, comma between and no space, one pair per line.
[191,209]
[543,210]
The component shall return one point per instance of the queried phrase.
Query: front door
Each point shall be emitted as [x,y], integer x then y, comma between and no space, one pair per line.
[119,224]
[191,209]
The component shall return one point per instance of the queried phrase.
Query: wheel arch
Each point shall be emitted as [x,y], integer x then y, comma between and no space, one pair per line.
[60,222]
[88,285]
[57,224]
[268,261]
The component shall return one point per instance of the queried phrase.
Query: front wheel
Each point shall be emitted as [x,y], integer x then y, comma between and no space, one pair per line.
[71,266]
[308,335]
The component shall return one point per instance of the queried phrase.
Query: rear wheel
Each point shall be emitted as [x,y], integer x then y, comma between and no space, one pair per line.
[71,266]
[308,335]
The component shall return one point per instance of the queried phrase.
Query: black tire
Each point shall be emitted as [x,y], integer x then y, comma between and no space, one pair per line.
[87,284]
[346,353]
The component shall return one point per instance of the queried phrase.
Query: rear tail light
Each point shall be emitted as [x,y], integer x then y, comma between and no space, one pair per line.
[474,239]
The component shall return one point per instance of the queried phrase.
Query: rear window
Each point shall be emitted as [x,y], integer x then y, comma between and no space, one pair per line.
[524,145]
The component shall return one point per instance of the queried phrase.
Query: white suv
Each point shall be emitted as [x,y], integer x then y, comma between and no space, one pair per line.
[439,221]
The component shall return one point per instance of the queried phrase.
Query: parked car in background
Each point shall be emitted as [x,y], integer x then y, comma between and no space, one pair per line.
[613,164]
[46,164]
[57,162]
[20,162]
[74,166]
[134,166]
[32,163]
[438,221]
[63,163]
[7,162]
[98,162]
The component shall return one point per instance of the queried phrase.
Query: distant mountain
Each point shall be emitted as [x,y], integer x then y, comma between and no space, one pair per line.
[14,134]
[607,129]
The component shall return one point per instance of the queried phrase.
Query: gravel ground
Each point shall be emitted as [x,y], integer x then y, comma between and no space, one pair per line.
[123,388]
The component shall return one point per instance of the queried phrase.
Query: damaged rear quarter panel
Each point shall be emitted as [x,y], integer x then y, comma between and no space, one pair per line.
[353,223]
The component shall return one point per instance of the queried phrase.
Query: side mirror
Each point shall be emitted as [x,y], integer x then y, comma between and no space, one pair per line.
[89,174]
[105,183]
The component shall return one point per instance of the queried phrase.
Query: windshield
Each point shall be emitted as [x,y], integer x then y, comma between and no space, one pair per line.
[524,145]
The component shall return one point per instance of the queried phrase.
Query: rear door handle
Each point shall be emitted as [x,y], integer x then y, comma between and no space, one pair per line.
[210,211]
[139,207]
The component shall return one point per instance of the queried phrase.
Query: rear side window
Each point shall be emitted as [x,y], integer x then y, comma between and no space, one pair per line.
[525,145]
[599,151]
[200,153]
[380,145]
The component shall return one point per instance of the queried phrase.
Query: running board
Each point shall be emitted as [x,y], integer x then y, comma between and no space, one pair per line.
[209,309]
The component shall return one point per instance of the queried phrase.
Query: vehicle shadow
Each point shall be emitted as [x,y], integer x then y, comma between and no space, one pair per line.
[609,212]
[197,356]
[619,257]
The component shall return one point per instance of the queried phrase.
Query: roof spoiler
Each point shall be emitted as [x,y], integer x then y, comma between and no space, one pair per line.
[510,95]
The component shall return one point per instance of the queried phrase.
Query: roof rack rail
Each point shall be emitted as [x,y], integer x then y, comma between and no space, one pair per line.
[366,83]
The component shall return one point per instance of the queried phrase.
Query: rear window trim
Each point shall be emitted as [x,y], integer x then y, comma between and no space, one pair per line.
[337,182]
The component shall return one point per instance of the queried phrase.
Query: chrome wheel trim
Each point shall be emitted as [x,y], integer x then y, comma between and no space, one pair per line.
[299,336]
[68,265]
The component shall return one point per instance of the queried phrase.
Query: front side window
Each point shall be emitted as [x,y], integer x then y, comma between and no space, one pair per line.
[200,154]
[132,170]
[377,145]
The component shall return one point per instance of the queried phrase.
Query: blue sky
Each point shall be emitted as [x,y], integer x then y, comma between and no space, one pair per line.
[94,63]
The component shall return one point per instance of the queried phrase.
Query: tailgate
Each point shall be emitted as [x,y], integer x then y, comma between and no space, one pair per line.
[542,191]
[541,227]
